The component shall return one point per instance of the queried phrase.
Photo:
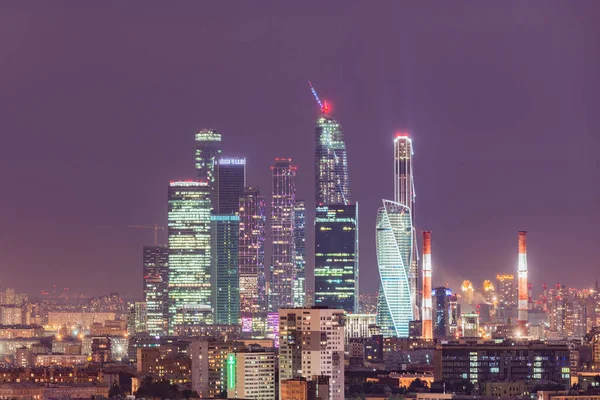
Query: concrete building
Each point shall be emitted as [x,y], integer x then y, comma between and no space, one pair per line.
[251,375]
[209,372]
[311,343]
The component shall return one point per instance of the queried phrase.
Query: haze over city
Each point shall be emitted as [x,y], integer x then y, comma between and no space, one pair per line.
[100,105]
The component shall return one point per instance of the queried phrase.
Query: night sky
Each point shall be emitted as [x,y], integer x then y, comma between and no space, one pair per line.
[99,103]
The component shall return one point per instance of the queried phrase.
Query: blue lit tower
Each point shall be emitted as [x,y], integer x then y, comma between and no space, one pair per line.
[190,297]
[395,240]
[283,264]
[336,222]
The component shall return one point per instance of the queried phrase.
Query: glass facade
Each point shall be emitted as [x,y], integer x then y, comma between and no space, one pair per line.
[156,286]
[336,257]
[252,252]
[208,152]
[231,180]
[224,270]
[394,242]
[331,169]
[283,265]
[189,254]
[300,253]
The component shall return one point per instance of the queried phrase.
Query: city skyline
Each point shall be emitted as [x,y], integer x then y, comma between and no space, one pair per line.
[459,110]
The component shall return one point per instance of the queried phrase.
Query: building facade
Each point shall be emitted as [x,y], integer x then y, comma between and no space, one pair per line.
[311,343]
[156,287]
[225,283]
[208,152]
[394,241]
[231,181]
[336,256]
[331,169]
[251,375]
[189,254]
[300,253]
[283,265]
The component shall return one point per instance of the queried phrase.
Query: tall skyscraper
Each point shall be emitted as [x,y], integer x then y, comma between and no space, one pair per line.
[300,253]
[189,254]
[331,169]
[253,297]
[302,332]
[394,239]
[404,193]
[231,180]
[208,152]
[283,264]
[441,312]
[224,271]
[396,248]
[156,287]
[336,256]
[336,223]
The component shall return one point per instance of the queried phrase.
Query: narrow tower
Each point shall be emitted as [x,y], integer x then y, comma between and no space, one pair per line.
[427,326]
[522,274]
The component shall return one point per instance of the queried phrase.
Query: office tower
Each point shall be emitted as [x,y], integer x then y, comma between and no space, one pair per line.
[230,183]
[522,274]
[394,239]
[189,254]
[283,264]
[467,292]
[470,325]
[156,287]
[441,311]
[489,292]
[224,232]
[404,194]
[137,318]
[301,352]
[300,253]
[251,375]
[209,366]
[252,252]
[336,256]
[208,152]
[331,169]
[427,324]
[454,314]
[507,291]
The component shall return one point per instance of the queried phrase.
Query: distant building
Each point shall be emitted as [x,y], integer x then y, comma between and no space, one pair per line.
[360,326]
[283,264]
[208,153]
[441,312]
[157,363]
[301,353]
[480,362]
[300,253]
[156,286]
[60,360]
[190,291]
[209,368]
[251,375]
[231,180]
[315,388]
[20,331]
[137,318]
[470,325]
[336,256]
[225,281]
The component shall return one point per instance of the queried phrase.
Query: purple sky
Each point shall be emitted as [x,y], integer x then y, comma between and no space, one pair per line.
[99,103]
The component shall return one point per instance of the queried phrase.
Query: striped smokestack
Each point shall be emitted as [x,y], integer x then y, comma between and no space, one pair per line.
[427,324]
[522,274]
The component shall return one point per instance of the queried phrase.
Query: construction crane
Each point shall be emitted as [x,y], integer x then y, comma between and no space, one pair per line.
[156,228]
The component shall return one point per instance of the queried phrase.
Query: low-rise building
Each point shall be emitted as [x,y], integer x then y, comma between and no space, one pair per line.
[20,331]
[60,360]
[28,391]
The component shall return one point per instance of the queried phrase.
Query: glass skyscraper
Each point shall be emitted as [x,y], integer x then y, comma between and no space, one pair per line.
[224,270]
[189,254]
[336,256]
[300,253]
[331,169]
[252,251]
[208,152]
[336,222]
[394,241]
[283,265]
[231,180]
[156,286]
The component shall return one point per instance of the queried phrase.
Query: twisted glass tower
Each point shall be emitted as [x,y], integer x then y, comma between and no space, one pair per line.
[396,248]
